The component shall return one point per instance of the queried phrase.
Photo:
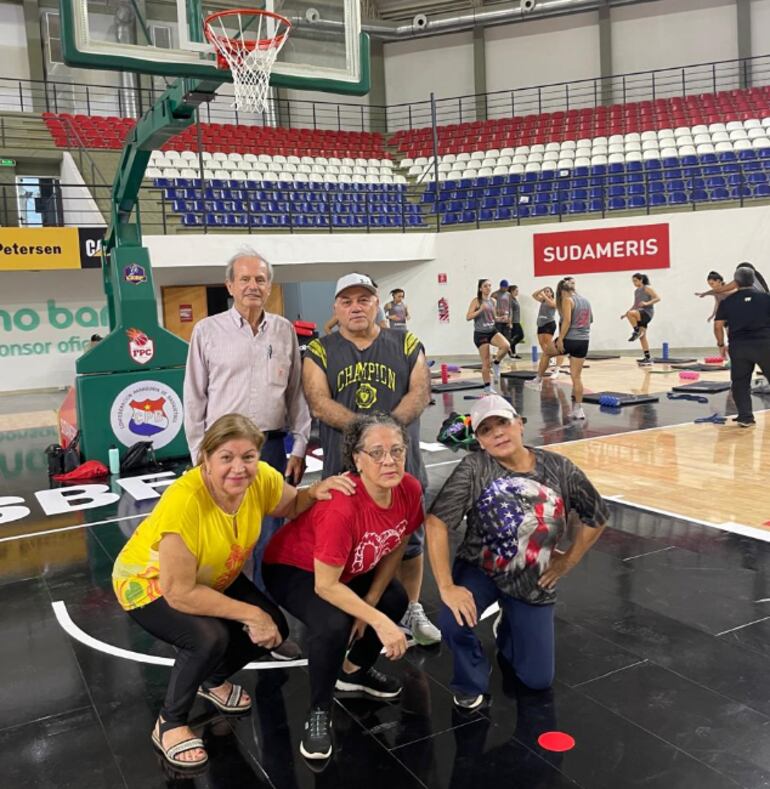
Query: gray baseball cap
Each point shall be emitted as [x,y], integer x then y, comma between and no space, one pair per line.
[491,405]
[354,281]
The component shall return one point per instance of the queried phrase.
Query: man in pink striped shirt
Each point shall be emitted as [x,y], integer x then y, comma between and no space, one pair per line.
[246,361]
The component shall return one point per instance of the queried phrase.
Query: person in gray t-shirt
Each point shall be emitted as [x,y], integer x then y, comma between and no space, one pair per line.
[576,317]
[481,311]
[640,315]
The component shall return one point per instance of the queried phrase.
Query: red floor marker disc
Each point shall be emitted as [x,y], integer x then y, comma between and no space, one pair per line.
[556,741]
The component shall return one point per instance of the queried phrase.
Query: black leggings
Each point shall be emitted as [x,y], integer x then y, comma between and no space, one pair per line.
[210,649]
[328,627]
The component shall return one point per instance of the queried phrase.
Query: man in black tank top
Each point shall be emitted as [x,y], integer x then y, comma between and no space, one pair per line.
[364,368]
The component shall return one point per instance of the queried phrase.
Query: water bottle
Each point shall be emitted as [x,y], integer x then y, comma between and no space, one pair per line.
[114,460]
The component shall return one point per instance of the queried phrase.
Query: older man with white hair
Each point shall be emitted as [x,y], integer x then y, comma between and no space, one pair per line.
[246,361]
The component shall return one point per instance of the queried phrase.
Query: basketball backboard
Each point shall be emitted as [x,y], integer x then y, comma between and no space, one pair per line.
[325,51]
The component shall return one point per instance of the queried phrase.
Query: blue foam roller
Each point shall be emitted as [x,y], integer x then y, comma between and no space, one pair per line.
[535,353]
[609,400]
[664,351]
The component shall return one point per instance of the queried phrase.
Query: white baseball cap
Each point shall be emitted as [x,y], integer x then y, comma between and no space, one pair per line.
[491,405]
[354,281]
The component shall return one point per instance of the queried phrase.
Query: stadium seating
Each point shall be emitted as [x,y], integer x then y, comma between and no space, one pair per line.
[639,156]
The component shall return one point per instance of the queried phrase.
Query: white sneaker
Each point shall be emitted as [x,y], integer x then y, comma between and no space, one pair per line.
[422,629]
[489,389]
[577,412]
[555,373]
[535,383]
[552,362]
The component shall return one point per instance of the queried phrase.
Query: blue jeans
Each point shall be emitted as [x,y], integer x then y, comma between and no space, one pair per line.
[525,637]
[274,454]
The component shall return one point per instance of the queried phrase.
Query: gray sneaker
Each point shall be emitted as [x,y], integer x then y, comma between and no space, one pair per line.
[416,621]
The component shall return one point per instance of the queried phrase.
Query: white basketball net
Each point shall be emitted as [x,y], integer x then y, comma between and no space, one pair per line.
[249,61]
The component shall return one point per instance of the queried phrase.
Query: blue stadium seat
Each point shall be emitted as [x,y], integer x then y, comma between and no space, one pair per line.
[677,198]
[449,219]
[616,191]
[581,172]
[541,209]
[576,207]
[192,220]
[657,199]
[698,196]
[503,213]
[719,194]
[486,215]
[636,189]
[523,211]
[739,192]
[762,190]
[715,182]
[596,204]
[656,187]
[637,201]
[468,216]
[616,203]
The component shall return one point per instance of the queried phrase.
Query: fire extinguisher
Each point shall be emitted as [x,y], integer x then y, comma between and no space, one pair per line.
[443,310]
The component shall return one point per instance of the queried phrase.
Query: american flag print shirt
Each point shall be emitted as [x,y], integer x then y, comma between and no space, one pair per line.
[515,519]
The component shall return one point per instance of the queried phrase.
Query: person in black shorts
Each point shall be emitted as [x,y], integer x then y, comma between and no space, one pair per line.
[546,326]
[481,311]
[575,316]
[517,332]
[640,315]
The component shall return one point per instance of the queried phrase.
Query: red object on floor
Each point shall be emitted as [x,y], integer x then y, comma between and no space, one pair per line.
[91,469]
[556,741]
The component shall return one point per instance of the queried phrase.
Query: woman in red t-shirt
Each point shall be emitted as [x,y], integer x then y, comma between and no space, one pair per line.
[334,568]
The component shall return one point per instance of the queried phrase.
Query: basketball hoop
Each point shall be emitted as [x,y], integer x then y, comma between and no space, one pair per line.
[249,60]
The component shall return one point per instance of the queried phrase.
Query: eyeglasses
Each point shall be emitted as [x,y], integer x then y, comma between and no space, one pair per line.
[378,454]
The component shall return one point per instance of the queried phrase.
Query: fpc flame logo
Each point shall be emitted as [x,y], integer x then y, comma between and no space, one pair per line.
[140,347]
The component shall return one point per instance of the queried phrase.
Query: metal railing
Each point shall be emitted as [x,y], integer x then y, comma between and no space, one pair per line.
[115,100]
[258,207]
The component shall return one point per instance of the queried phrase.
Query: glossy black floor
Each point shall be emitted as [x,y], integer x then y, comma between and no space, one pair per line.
[663,650]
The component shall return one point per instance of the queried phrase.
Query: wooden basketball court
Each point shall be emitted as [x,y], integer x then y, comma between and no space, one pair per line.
[713,474]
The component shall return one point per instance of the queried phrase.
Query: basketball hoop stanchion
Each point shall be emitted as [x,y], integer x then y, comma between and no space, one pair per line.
[249,60]
[129,386]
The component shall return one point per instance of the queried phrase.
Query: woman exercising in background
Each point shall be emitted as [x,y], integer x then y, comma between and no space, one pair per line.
[481,311]
[640,315]
[546,325]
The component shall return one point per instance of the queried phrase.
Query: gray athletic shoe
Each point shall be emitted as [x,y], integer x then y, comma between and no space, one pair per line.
[416,621]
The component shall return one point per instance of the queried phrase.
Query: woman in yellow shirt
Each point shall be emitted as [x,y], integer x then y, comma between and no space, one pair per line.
[179,576]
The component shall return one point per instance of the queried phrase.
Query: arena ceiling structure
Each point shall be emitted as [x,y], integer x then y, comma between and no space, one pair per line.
[403,19]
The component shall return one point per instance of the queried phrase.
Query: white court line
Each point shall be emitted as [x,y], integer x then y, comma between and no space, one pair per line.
[740,627]
[649,553]
[64,619]
[728,526]
[71,528]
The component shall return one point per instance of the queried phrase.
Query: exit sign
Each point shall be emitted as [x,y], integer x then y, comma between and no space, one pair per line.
[7,162]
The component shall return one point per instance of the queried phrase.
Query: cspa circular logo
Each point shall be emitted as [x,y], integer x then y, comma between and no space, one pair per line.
[146,410]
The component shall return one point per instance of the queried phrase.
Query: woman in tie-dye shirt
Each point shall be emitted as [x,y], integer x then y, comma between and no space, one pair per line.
[516,501]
